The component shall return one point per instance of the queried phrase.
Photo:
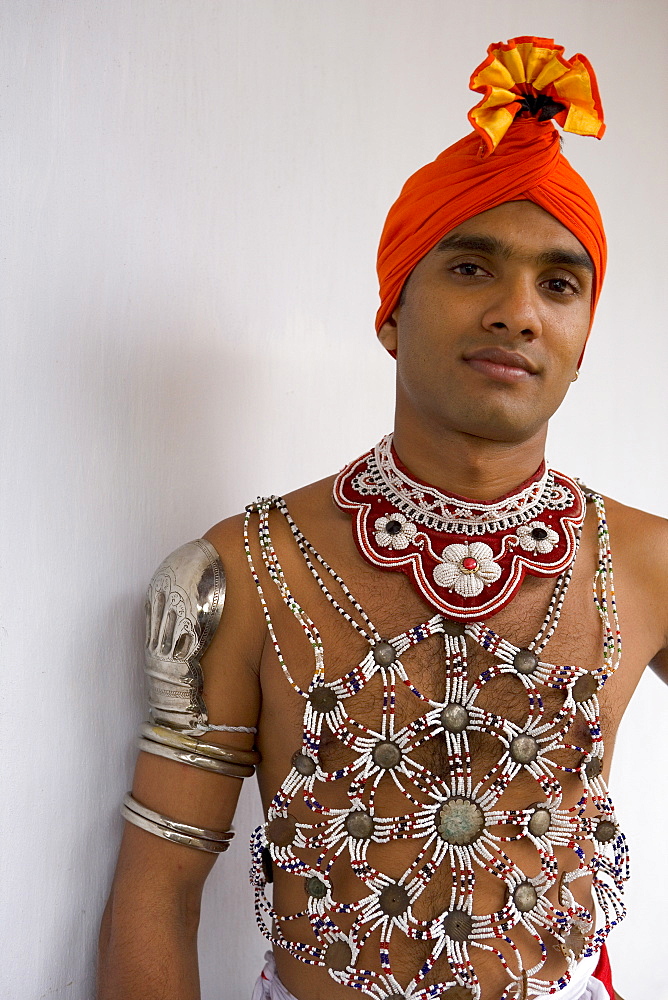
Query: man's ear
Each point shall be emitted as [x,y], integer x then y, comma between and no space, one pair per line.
[388,333]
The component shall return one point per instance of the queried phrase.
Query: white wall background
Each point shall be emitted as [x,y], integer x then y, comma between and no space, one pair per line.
[192,196]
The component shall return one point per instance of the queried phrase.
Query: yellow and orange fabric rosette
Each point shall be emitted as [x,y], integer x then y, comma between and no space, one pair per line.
[530,77]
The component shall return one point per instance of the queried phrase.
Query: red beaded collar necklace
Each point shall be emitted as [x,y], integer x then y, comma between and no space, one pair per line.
[466,558]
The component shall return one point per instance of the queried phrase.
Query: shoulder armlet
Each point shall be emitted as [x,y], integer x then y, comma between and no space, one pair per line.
[183,610]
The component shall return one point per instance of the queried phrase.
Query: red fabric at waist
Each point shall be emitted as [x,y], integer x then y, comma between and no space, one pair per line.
[603,972]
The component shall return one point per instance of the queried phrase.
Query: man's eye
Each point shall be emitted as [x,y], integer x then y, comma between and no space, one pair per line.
[469,269]
[562,285]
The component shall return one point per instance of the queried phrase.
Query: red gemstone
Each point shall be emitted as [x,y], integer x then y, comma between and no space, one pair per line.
[469,563]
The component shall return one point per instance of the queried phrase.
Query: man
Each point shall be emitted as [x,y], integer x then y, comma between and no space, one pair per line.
[424,650]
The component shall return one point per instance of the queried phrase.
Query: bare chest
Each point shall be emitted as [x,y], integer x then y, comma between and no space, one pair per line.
[400,746]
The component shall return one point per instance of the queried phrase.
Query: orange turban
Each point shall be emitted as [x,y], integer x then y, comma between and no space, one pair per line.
[514,154]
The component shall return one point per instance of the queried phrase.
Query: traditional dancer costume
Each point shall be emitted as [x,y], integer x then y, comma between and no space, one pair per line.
[467,560]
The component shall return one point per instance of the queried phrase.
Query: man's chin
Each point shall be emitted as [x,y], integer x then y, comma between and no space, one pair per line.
[502,430]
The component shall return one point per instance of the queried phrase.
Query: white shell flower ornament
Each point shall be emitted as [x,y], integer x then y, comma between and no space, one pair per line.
[466,569]
[537,537]
[394,531]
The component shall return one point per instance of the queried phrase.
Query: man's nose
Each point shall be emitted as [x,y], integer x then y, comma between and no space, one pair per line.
[514,307]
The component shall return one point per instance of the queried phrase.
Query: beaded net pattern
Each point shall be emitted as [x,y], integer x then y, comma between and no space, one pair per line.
[454,822]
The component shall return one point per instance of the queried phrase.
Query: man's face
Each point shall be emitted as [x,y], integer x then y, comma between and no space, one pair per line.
[491,325]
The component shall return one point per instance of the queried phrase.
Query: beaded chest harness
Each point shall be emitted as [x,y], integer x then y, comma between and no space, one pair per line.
[401,523]
[455,821]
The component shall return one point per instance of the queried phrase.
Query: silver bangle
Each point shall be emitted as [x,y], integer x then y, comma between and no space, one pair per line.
[196,760]
[170,829]
[181,741]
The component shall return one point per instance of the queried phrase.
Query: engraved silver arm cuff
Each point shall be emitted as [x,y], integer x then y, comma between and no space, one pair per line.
[170,829]
[183,610]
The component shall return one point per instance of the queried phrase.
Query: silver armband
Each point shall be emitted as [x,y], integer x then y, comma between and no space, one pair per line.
[165,742]
[183,609]
[170,829]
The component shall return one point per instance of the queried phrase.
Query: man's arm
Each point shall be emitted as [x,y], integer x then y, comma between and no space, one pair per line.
[149,930]
[656,563]
[148,937]
[659,664]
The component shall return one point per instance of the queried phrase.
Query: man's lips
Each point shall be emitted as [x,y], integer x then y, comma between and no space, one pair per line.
[504,366]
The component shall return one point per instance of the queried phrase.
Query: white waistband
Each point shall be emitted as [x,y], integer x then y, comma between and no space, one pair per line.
[581,987]
[268,985]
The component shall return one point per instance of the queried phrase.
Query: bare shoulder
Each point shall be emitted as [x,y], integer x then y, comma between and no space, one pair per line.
[316,496]
[313,506]
[638,535]
[227,537]
[639,543]
[240,635]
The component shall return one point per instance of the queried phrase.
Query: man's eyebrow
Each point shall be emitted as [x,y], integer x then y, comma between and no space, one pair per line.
[480,243]
[566,258]
[473,243]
